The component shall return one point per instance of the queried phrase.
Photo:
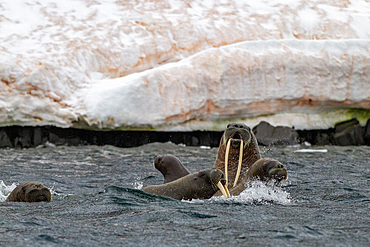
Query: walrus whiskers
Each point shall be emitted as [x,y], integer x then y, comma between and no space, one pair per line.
[227,160]
[240,163]
[224,190]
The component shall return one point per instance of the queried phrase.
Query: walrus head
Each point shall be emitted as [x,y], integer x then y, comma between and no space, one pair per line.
[217,179]
[267,169]
[30,192]
[276,171]
[37,193]
[170,167]
[238,150]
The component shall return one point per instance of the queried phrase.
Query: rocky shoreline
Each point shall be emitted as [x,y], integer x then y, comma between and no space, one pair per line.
[343,134]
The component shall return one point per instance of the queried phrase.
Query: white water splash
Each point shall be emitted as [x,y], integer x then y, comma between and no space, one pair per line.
[262,192]
[138,185]
[311,151]
[205,147]
[46,145]
[257,192]
[5,190]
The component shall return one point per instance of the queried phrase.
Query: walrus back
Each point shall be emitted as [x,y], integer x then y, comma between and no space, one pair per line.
[16,195]
[188,187]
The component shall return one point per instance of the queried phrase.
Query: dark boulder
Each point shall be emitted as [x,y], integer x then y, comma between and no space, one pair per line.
[323,139]
[24,138]
[4,139]
[268,135]
[349,133]
[367,133]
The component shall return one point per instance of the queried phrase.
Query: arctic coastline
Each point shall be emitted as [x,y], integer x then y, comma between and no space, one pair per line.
[175,66]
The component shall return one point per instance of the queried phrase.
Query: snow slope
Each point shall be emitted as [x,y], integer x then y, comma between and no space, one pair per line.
[178,65]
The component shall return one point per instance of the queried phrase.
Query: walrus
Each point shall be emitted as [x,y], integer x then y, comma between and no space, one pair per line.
[264,169]
[170,167]
[238,150]
[30,192]
[199,185]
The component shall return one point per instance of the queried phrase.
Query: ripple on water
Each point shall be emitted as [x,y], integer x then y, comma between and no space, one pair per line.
[97,200]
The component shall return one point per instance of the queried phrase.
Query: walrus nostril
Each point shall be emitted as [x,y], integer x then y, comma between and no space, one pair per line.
[237,135]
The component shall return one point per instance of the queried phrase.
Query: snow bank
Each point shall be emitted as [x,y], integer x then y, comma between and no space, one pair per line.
[180,64]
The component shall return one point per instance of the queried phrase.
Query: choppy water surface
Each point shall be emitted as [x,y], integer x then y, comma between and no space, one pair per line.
[97,201]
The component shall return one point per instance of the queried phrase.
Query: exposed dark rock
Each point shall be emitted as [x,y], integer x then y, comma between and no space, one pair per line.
[367,132]
[349,133]
[268,135]
[4,139]
[24,138]
[37,137]
[55,139]
[346,133]
[317,137]
[323,139]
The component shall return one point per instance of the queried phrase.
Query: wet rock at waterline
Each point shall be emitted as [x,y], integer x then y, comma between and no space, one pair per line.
[367,132]
[349,133]
[268,135]
[26,137]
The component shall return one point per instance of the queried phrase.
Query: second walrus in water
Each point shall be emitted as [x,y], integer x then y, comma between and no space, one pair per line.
[199,185]
[30,192]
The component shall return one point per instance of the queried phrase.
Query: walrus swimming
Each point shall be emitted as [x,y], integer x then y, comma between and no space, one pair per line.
[30,192]
[265,169]
[199,185]
[170,167]
[238,150]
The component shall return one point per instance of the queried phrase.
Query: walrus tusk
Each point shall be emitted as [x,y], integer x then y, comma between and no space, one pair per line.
[227,160]
[223,189]
[240,163]
[227,191]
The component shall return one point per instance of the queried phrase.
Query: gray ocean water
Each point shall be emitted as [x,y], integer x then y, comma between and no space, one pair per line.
[97,201]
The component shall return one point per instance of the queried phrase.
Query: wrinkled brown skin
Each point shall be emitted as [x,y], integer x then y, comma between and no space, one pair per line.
[170,167]
[199,185]
[265,169]
[251,152]
[30,192]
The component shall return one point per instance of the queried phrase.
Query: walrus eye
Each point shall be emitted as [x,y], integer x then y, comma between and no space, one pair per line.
[201,174]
